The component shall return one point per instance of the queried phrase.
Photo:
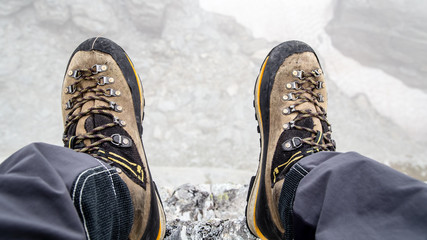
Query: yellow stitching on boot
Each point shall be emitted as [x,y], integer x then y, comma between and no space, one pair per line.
[290,159]
[139,170]
[319,139]
[296,159]
[124,159]
[123,164]
[276,171]
[69,142]
[284,164]
[138,167]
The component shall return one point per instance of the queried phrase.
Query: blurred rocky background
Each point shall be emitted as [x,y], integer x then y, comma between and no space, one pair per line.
[198,61]
[389,35]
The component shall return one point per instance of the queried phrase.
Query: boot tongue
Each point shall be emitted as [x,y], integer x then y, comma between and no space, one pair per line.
[91,122]
[88,123]
[96,120]
[80,128]
[317,126]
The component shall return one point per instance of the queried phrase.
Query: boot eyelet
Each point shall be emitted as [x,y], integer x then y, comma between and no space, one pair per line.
[289,97]
[289,110]
[116,107]
[292,144]
[121,141]
[105,80]
[99,68]
[289,125]
[112,93]
[70,89]
[298,74]
[76,74]
[320,98]
[317,72]
[293,85]
[69,104]
[119,122]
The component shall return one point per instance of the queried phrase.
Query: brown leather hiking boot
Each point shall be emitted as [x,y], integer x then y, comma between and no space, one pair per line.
[290,105]
[102,105]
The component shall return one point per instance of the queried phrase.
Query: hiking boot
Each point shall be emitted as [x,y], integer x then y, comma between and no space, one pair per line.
[290,105]
[102,105]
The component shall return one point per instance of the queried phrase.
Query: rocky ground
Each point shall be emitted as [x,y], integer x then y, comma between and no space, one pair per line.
[206,212]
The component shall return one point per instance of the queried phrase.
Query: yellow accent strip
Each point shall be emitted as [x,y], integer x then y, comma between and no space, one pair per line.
[286,163]
[296,159]
[137,79]
[159,234]
[124,165]
[261,74]
[69,142]
[319,140]
[161,217]
[140,177]
[290,159]
[124,159]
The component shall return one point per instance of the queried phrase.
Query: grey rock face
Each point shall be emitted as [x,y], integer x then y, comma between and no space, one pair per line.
[148,15]
[52,12]
[206,212]
[103,20]
[10,6]
[384,34]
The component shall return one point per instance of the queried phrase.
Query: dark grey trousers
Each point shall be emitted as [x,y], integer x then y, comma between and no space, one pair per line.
[51,192]
[332,195]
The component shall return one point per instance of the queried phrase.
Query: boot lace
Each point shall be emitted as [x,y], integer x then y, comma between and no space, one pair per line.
[304,90]
[82,96]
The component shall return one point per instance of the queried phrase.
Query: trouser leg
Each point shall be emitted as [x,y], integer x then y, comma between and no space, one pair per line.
[51,192]
[347,196]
